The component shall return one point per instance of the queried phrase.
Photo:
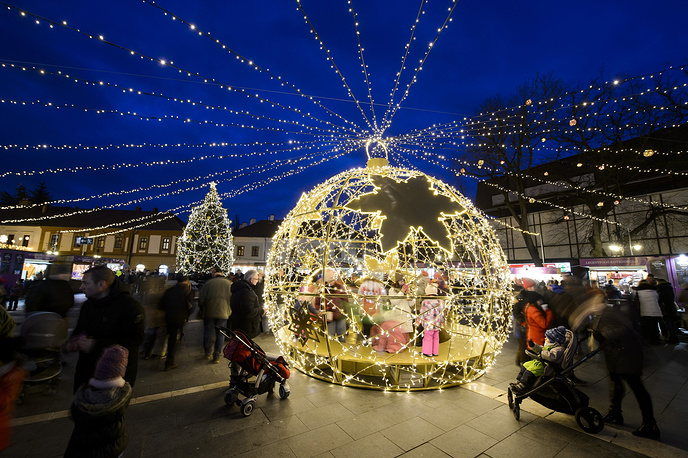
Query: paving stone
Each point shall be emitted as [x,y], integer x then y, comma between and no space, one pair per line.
[463,441]
[411,433]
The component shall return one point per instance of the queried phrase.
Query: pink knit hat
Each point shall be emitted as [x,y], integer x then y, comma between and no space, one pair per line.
[112,363]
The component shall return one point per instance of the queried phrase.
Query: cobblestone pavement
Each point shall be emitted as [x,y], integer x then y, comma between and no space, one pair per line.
[182,413]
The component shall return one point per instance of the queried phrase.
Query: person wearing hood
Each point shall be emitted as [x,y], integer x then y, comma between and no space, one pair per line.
[246,309]
[109,316]
[99,407]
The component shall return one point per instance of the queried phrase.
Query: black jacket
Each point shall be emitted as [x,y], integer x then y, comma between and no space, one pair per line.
[50,296]
[246,310]
[623,347]
[176,302]
[100,428]
[117,318]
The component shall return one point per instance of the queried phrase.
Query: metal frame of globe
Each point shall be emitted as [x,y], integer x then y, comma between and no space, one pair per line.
[325,230]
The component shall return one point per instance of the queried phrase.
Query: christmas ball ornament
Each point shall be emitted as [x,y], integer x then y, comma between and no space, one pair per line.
[347,280]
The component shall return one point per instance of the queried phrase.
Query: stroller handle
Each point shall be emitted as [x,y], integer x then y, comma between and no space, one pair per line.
[225,332]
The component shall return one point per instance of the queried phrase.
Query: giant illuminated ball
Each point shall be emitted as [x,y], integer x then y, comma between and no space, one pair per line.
[387,278]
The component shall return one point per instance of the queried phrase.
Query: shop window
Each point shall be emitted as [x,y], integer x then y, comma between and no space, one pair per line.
[254,251]
[119,241]
[25,240]
[166,243]
[143,243]
[240,250]
[54,240]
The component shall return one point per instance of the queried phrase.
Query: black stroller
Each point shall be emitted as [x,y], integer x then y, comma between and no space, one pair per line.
[555,391]
[248,360]
[42,333]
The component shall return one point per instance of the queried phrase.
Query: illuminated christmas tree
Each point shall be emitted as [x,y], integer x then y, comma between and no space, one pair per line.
[207,239]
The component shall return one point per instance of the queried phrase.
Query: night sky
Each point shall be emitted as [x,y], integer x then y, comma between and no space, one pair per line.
[488,48]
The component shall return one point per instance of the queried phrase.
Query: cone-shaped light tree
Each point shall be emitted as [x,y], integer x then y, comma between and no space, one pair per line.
[207,239]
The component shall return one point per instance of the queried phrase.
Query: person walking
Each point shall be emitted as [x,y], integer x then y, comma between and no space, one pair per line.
[647,302]
[214,306]
[177,304]
[109,316]
[246,310]
[52,294]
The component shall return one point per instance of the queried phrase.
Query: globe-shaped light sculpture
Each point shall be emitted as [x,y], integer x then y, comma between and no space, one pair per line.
[335,280]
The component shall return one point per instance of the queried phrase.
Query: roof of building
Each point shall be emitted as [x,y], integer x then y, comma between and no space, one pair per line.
[263,228]
[86,218]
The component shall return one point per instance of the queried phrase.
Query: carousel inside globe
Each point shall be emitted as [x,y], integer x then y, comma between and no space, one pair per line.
[387,278]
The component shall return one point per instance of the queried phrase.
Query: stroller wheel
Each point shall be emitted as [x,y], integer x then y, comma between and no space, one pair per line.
[283,392]
[247,408]
[590,420]
[510,398]
[230,397]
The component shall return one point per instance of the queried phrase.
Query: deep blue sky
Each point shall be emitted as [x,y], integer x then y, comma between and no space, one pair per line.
[489,47]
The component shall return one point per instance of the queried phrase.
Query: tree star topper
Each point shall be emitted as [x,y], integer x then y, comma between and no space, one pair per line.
[400,206]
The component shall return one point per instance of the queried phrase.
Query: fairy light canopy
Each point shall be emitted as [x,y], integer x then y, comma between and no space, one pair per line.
[388,227]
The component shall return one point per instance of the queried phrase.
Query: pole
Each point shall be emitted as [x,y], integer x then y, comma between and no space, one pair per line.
[630,244]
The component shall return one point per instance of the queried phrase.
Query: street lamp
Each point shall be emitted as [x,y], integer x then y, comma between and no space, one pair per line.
[615,248]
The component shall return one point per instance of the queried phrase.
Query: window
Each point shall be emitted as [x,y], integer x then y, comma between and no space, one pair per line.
[119,241]
[240,250]
[54,239]
[166,243]
[143,243]
[25,240]
[254,251]
[100,242]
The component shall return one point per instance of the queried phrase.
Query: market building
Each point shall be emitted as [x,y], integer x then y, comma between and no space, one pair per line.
[252,243]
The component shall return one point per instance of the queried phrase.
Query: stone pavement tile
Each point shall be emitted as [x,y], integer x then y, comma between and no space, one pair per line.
[360,401]
[321,416]
[404,407]
[324,455]
[234,421]
[140,425]
[375,445]
[646,447]
[331,394]
[519,446]
[463,441]
[448,417]
[476,403]
[411,433]
[366,423]
[585,445]
[554,432]
[277,450]
[46,439]
[287,407]
[426,450]
[171,439]
[498,423]
[318,441]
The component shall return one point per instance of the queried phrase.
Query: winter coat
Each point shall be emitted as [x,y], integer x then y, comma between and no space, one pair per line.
[431,314]
[50,296]
[667,300]
[539,320]
[623,347]
[177,305]
[215,298]
[100,427]
[117,318]
[246,311]
[550,354]
[648,300]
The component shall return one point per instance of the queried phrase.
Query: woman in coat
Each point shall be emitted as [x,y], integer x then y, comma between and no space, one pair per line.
[647,301]
[539,320]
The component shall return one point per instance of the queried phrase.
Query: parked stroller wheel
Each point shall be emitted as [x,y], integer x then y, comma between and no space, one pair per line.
[510,398]
[589,420]
[283,392]
[230,397]
[247,408]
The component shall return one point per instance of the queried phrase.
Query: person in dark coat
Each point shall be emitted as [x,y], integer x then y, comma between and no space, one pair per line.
[109,316]
[667,303]
[177,304]
[52,294]
[623,349]
[99,407]
[246,310]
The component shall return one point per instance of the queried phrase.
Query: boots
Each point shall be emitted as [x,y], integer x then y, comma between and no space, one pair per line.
[649,431]
[614,416]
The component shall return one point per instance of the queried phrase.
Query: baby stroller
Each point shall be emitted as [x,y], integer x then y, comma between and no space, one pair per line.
[248,360]
[43,333]
[555,391]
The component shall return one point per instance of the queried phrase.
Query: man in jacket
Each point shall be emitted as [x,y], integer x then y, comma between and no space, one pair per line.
[214,307]
[246,309]
[109,316]
[176,303]
[53,294]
